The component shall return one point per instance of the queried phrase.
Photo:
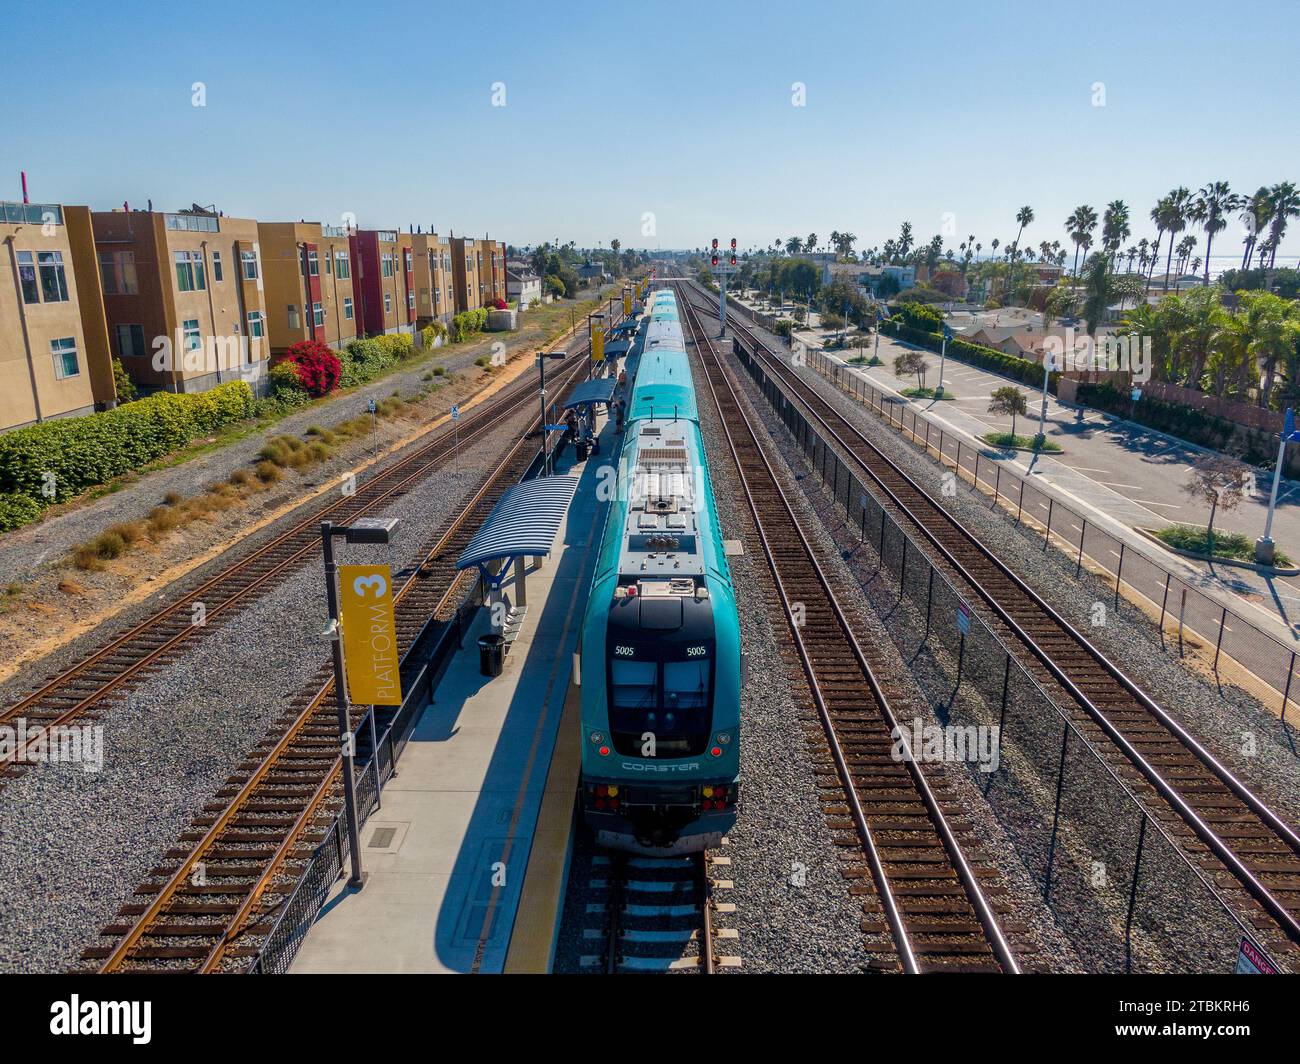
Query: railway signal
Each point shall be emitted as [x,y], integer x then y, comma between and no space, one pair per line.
[724,272]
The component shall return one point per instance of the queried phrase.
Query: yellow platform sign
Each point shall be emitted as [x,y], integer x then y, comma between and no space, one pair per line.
[627,303]
[598,343]
[369,635]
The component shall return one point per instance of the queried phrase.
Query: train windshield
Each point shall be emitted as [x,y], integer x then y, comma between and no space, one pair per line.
[671,699]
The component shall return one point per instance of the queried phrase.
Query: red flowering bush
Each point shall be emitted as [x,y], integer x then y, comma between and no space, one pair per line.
[317,366]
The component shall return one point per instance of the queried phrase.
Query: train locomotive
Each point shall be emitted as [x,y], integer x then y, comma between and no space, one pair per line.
[660,660]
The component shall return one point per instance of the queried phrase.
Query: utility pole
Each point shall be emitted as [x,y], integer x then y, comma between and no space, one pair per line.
[541,377]
[943,355]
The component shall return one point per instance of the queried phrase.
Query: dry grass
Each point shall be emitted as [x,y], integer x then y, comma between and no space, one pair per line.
[71,587]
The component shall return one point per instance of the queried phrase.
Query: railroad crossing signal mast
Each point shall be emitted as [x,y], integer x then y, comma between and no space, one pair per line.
[724,272]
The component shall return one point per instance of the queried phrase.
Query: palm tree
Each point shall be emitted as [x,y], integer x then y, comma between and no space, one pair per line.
[1210,210]
[1024,216]
[1114,228]
[1256,213]
[994,244]
[1080,224]
[1285,200]
[1173,220]
[793,246]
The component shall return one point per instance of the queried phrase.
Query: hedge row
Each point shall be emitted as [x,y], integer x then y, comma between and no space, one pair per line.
[1185,422]
[364,360]
[990,358]
[56,460]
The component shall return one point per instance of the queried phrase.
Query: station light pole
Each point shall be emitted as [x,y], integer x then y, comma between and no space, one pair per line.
[1265,549]
[366,530]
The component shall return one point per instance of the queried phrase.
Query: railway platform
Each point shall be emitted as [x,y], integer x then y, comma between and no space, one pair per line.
[467,857]
[448,850]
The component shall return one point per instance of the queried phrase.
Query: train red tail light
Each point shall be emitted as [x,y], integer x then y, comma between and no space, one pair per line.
[716,751]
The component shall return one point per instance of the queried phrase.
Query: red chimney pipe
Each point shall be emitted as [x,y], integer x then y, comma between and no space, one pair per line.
[24,173]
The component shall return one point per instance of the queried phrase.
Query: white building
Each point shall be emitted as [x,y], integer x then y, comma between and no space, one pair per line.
[524,285]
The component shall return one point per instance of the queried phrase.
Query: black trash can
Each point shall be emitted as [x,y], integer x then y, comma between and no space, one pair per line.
[491,654]
[580,450]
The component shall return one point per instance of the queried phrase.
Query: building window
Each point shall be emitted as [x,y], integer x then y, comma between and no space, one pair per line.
[256,326]
[386,264]
[317,314]
[313,264]
[388,303]
[469,291]
[190,334]
[293,315]
[406,258]
[437,297]
[249,261]
[189,271]
[347,307]
[65,357]
[216,266]
[117,270]
[342,268]
[27,275]
[130,341]
[410,300]
[54,285]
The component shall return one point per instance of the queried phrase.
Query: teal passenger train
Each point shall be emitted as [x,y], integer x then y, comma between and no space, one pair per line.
[660,660]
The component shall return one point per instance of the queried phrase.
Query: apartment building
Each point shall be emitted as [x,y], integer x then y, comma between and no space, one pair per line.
[308,284]
[466,258]
[493,270]
[184,297]
[54,355]
[383,277]
[435,298]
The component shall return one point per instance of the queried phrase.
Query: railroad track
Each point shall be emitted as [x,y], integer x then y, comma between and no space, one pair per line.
[930,909]
[1198,794]
[657,915]
[213,899]
[111,670]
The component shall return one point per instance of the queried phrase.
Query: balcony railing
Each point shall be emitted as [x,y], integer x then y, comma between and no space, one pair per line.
[33,213]
[193,223]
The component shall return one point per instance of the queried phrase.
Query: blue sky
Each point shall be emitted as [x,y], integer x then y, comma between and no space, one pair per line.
[680,110]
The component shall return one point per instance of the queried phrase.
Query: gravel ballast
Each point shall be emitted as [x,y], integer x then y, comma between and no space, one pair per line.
[74,844]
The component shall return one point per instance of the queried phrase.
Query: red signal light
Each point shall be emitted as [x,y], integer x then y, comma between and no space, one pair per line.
[733,243]
[715,243]
[715,260]
[733,258]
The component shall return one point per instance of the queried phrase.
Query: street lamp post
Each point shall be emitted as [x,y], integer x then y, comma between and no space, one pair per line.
[1265,549]
[943,355]
[367,530]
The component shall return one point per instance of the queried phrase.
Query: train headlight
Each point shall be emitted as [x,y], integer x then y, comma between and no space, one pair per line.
[723,738]
[597,738]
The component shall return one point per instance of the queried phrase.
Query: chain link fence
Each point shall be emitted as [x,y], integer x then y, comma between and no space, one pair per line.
[1190,623]
[1115,879]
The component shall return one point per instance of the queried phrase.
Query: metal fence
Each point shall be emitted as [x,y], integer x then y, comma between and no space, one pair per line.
[1190,623]
[1117,883]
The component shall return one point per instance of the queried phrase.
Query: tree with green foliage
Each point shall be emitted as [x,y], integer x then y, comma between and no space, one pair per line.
[1009,401]
[911,363]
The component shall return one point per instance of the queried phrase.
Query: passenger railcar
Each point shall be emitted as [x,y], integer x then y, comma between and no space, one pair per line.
[660,662]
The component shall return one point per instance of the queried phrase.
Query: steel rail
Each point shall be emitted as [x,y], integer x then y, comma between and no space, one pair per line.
[1204,831]
[140,929]
[983,910]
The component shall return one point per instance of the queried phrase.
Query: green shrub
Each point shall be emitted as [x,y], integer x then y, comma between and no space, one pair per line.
[16,511]
[466,324]
[81,452]
[364,360]
[122,382]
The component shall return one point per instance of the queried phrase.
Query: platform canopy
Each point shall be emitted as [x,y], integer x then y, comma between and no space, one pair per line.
[598,390]
[618,347]
[626,325]
[524,522]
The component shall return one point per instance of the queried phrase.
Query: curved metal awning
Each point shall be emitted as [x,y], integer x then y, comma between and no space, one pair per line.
[626,325]
[599,390]
[524,522]
[618,347]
